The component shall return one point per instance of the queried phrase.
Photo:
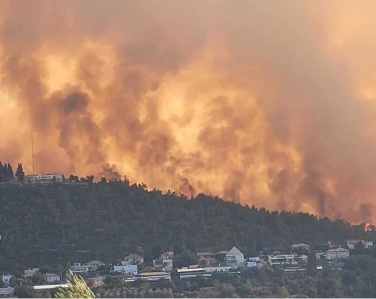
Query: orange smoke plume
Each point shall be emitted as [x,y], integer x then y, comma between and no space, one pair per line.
[260,102]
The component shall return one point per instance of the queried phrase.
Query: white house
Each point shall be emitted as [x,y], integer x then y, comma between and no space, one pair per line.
[154,276]
[6,278]
[253,262]
[94,265]
[289,259]
[126,269]
[52,277]
[300,246]
[218,269]
[78,268]
[193,273]
[132,259]
[337,254]
[6,292]
[163,263]
[31,272]
[234,257]
[352,243]
[44,178]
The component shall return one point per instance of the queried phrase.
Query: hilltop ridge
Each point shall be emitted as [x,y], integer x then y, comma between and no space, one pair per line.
[54,224]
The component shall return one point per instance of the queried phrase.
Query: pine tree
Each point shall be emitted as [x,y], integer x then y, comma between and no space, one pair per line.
[20,174]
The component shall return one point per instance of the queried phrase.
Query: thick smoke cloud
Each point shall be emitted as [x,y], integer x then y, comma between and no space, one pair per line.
[260,102]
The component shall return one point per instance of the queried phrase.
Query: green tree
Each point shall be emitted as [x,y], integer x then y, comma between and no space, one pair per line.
[283,292]
[20,174]
[77,288]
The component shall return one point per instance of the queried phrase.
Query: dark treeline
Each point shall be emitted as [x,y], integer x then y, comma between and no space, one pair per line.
[57,224]
[6,172]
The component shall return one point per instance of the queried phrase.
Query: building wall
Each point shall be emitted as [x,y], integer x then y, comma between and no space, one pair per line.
[127,269]
[52,279]
[337,255]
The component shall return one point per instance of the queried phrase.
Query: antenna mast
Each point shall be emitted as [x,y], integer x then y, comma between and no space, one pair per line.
[32,151]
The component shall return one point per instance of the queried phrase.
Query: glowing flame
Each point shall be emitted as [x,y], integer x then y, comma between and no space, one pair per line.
[369,227]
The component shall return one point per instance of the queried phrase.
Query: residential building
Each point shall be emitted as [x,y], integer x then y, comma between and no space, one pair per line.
[52,277]
[300,246]
[31,272]
[320,255]
[133,259]
[290,259]
[234,257]
[94,265]
[352,243]
[126,269]
[78,268]
[337,254]
[204,255]
[162,263]
[44,178]
[154,276]
[185,273]
[6,278]
[167,255]
[253,262]
[6,292]
[218,269]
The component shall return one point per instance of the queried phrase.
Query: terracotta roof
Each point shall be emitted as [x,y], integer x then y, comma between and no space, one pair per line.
[337,250]
[133,256]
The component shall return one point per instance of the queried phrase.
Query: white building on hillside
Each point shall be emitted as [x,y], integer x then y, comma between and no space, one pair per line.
[337,254]
[352,243]
[300,246]
[52,277]
[289,259]
[44,178]
[31,272]
[78,268]
[132,259]
[234,258]
[162,263]
[95,264]
[126,269]
[6,278]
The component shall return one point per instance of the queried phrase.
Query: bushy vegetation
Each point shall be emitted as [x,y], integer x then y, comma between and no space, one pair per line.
[56,224]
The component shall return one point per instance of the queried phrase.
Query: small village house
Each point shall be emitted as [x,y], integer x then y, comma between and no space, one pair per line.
[300,246]
[163,263]
[154,276]
[133,259]
[6,292]
[31,272]
[52,277]
[234,258]
[337,254]
[126,269]
[167,255]
[351,244]
[95,264]
[286,259]
[79,268]
[6,279]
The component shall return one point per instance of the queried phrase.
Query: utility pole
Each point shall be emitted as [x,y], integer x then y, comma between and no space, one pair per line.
[32,151]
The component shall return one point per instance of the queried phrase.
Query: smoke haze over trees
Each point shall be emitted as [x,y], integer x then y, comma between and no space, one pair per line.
[269,103]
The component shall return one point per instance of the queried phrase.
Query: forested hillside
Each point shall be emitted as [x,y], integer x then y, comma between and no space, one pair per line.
[51,225]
